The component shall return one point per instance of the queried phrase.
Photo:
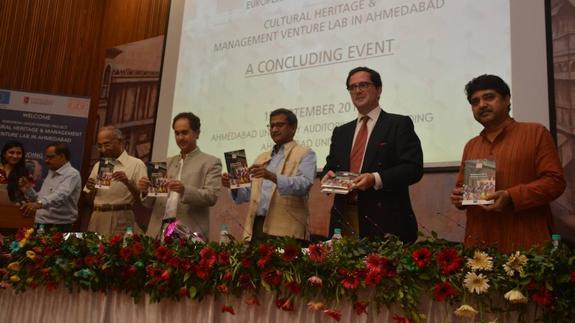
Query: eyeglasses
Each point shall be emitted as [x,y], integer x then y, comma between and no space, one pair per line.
[277,125]
[359,86]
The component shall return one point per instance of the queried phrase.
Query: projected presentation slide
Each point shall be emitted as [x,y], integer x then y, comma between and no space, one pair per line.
[240,60]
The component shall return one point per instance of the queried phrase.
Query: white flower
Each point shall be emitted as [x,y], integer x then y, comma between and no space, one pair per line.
[515,264]
[515,296]
[476,283]
[465,311]
[480,261]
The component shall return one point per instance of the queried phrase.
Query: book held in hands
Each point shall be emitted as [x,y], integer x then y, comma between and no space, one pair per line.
[158,175]
[105,171]
[479,181]
[238,170]
[341,183]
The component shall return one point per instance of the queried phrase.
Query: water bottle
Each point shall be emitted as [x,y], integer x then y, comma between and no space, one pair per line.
[41,230]
[128,235]
[224,235]
[336,234]
[555,240]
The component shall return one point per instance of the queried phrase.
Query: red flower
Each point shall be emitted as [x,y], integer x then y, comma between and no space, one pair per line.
[266,249]
[245,282]
[379,265]
[293,287]
[223,289]
[224,258]
[284,304]
[186,264]
[228,309]
[532,285]
[543,297]
[421,257]
[174,263]
[290,252]
[333,313]
[350,282]
[91,260]
[252,301]
[125,253]
[165,275]
[137,248]
[202,272]
[317,252]
[573,277]
[163,253]
[272,277]
[449,261]
[360,307]
[400,319]
[246,263]
[208,257]
[115,240]
[132,270]
[227,276]
[373,277]
[263,261]
[183,292]
[101,249]
[442,291]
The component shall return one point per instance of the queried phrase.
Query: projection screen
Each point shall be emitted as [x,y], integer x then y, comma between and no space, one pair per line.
[233,62]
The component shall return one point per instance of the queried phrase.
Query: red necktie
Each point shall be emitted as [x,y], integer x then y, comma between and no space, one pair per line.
[358,149]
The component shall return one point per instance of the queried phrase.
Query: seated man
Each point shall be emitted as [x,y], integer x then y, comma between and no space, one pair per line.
[281,179]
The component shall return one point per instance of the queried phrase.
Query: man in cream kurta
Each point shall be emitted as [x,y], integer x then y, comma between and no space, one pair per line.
[112,208]
[194,183]
[281,180]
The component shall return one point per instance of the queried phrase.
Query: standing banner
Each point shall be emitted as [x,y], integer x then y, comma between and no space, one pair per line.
[36,120]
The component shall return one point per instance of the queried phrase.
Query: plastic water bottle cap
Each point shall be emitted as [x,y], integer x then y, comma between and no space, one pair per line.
[555,237]
[337,231]
[224,227]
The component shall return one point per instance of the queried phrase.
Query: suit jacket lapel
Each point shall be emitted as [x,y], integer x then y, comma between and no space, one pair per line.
[373,142]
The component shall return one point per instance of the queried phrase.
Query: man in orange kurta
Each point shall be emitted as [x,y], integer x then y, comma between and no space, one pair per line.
[528,173]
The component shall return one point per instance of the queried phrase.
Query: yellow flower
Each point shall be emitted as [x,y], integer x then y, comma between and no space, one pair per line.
[28,233]
[29,280]
[14,266]
[30,254]
[476,283]
[515,296]
[515,264]
[480,261]
[15,278]
[22,242]
[465,311]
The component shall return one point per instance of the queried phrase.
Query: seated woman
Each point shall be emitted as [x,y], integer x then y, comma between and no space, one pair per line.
[12,168]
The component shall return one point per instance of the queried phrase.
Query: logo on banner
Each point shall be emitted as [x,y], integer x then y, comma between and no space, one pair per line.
[26,99]
[77,105]
[4,97]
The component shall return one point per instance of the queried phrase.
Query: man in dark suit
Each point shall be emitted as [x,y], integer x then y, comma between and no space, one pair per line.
[385,150]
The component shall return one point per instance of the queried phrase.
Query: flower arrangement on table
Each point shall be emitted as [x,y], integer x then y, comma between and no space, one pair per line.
[366,274]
